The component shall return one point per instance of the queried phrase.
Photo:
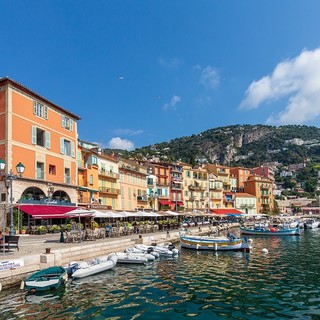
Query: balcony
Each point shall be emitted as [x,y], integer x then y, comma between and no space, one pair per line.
[109,174]
[111,191]
[142,198]
[67,179]
[196,187]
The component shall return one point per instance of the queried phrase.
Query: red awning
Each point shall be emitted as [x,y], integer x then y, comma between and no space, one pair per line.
[46,211]
[165,202]
[179,203]
[225,211]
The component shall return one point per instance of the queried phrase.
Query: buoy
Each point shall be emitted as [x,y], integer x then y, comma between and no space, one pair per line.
[264,250]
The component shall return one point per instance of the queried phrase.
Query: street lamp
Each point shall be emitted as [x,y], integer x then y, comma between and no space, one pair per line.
[154,196]
[9,177]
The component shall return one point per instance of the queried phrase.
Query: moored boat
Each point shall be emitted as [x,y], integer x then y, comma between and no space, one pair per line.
[230,242]
[87,268]
[124,257]
[271,231]
[45,280]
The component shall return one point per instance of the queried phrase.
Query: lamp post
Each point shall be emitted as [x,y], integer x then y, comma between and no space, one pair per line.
[154,196]
[9,177]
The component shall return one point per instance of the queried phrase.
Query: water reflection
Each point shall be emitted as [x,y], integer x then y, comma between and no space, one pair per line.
[280,285]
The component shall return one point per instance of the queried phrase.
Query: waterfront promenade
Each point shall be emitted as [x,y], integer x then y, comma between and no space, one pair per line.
[41,251]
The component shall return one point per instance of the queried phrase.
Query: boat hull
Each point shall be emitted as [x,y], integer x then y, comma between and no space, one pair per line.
[265,232]
[215,244]
[100,264]
[45,280]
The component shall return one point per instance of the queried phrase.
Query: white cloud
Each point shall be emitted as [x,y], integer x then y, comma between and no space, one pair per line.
[118,143]
[172,104]
[128,132]
[209,77]
[298,80]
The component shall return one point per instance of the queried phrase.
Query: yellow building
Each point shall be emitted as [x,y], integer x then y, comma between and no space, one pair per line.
[133,185]
[195,186]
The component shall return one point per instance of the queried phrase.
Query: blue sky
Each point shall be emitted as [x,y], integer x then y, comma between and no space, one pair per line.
[143,72]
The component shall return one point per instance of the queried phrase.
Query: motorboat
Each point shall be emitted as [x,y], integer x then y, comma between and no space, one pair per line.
[216,243]
[311,224]
[270,231]
[162,250]
[147,249]
[89,267]
[45,280]
[134,258]
[136,251]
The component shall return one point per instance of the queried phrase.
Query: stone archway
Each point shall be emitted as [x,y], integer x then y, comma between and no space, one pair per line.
[33,193]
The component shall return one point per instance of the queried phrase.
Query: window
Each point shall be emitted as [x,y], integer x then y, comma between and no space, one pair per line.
[40,137]
[3,197]
[52,169]
[40,110]
[67,147]
[94,160]
[67,123]
[40,170]
[67,178]
[91,179]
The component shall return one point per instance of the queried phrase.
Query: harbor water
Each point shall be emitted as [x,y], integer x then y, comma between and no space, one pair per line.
[283,284]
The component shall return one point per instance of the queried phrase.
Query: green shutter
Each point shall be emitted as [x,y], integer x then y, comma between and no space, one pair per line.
[34,135]
[48,139]
[62,145]
[72,149]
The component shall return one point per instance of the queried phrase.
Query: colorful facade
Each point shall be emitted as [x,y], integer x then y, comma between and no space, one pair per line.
[43,136]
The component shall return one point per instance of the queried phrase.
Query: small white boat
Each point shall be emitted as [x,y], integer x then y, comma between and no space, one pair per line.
[89,267]
[124,257]
[147,249]
[136,251]
[161,250]
[311,224]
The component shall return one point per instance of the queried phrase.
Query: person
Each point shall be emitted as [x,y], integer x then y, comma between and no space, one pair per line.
[1,237]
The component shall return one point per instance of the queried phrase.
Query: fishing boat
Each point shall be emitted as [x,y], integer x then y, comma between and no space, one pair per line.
[89,267]
[45,280]
[223,243]
[270,231]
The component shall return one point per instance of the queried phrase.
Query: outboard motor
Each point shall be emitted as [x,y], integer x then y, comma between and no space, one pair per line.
[171,247]
[149,250]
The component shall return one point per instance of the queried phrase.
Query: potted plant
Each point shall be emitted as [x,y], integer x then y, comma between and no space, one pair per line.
[68,226]
[23,229]
[55,228]
[42,230]
[94,225]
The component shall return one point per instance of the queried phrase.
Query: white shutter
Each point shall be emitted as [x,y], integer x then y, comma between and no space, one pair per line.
[45,112]
[71,125]
[72,149]
[48,139]
[62,145]
[34,135]
[35,107]
[63,121]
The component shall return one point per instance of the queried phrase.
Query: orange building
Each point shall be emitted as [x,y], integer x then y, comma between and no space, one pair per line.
[262,189]
[43,136]
[242,175]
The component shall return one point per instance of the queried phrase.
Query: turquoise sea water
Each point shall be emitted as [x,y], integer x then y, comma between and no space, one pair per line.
[283,284]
